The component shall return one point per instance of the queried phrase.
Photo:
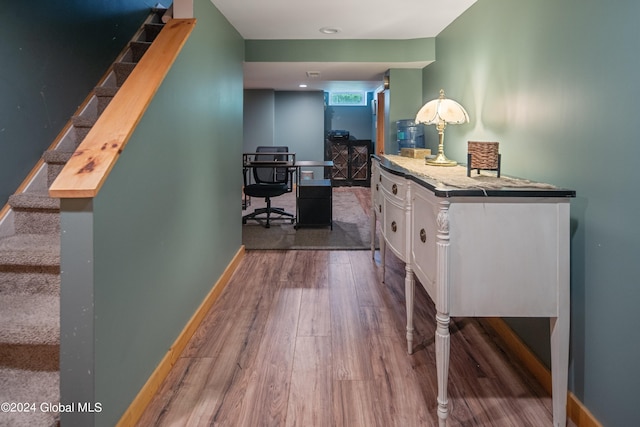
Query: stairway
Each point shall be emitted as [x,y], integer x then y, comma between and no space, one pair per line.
[30,259]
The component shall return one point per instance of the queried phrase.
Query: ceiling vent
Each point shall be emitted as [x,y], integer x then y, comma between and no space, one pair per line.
[313,74]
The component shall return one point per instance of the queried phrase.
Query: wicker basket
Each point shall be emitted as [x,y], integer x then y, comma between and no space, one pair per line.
[483,155]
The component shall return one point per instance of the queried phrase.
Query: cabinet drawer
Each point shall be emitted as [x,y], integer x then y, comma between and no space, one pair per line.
[394,227]
[393,186]
[314,212]
[315,189]
[423,235]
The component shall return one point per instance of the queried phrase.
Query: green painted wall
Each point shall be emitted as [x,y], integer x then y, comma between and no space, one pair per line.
[403,102]
[167,221]
[413,50]
[556,84]
[53,54]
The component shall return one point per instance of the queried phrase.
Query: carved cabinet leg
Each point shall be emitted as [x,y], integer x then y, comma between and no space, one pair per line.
[442,309]
[409,292]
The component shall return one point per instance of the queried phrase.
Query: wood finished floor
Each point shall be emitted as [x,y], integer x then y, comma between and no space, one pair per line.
[313,338]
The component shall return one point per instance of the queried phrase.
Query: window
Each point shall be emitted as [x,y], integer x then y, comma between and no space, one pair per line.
[347,98]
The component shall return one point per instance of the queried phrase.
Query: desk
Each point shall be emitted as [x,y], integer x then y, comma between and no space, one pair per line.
[312,164]
[478,251]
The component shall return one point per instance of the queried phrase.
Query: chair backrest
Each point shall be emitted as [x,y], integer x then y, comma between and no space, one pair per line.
[271,175]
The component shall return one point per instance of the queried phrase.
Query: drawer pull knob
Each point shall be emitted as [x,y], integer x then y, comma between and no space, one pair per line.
[376,187]
[394,189]
[380,208]
[394,226]
[380,178]
[423,235]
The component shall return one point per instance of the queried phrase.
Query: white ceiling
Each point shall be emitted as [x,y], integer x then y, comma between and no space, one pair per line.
[356,19]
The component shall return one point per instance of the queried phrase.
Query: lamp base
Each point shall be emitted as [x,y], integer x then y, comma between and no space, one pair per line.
[440,160]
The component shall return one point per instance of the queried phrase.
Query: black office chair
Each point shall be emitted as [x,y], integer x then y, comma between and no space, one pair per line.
[268,182]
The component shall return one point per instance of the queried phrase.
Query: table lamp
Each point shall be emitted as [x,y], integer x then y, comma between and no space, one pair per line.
[441,112]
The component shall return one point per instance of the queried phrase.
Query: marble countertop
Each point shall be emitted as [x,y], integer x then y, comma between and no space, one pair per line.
[449,181]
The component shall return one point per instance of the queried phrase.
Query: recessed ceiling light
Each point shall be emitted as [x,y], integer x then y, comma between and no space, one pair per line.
[302,85]
[330,30]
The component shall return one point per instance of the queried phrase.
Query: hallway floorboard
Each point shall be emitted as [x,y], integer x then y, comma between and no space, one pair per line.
[313,338]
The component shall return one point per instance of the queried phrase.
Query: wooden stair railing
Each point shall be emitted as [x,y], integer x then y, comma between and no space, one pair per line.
[85,173]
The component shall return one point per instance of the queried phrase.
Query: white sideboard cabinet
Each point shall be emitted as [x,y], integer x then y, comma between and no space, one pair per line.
[479,250]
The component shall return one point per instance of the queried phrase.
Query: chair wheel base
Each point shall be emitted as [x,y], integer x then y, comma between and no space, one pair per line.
[267,217]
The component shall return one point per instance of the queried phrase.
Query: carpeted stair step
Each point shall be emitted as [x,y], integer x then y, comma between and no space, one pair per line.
[25,283]
[138,49]
[30,253]
[55,161]
[83,120]
[30,373]
[104,94]
[151,31]
[29,319]
[35,213]
[20,383]
[122,71]
[29,356]
[82,125]
[30,264]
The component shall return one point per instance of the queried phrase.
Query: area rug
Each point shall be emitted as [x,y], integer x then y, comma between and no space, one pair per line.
[350,226]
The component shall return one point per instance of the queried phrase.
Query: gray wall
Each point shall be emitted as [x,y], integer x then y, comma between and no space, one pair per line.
[290,118]
[556,84]
[258,119]
[299,123]
[48,69]
[167,221]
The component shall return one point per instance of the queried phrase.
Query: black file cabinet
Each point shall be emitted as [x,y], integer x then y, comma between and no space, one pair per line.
[315,203]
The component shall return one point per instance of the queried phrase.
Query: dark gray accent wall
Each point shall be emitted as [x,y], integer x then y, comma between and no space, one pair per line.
[166,223]
[53,54]
[299,123]
[556,84]
[258,118]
